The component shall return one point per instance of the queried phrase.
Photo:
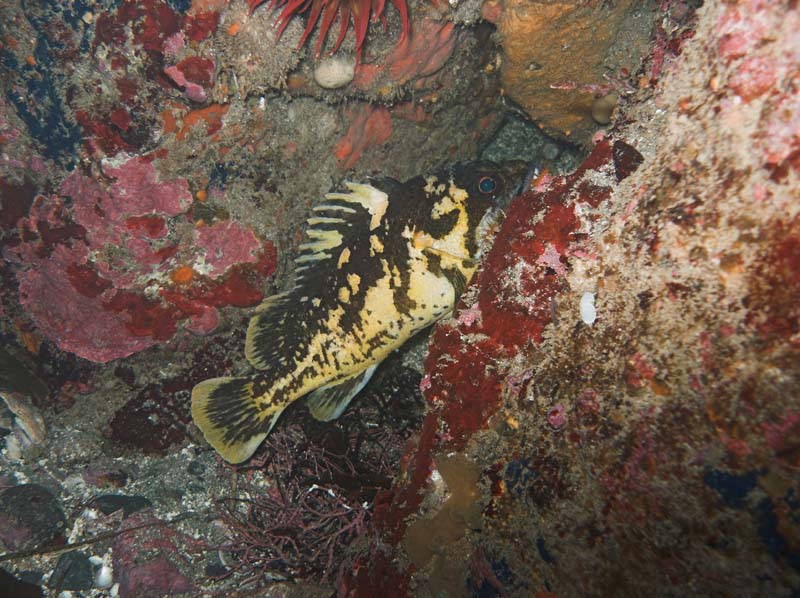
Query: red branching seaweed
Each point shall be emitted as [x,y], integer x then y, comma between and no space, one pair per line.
[327,11]
[308,493]
[292,530]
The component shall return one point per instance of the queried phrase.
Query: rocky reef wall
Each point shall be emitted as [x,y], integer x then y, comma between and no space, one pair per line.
[620,382]
[611,410]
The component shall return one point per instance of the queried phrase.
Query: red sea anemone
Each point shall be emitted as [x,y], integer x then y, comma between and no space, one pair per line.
[360,11]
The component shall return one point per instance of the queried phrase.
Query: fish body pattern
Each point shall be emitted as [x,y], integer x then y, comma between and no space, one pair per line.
[381,261]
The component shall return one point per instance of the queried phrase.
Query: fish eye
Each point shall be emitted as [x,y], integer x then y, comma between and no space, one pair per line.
[487,184]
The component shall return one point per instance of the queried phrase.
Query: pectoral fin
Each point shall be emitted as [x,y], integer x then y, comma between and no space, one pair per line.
[330,401]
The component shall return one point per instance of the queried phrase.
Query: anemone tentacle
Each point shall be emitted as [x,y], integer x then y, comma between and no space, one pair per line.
[359,12]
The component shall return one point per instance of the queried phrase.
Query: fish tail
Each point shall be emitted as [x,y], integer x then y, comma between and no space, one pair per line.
[232,418]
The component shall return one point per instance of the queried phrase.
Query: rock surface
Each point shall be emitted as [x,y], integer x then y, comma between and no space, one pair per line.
[73,572]
[564,62]
[30,517]
[612,410]
[653,449]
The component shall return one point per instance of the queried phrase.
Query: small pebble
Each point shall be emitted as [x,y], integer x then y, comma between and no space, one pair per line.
[73,572]
[110,503]
[216,570]
[551,151]
[196,468]
[603,108]
[32,517]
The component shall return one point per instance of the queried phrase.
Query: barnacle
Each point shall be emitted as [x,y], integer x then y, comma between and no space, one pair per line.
[327,11]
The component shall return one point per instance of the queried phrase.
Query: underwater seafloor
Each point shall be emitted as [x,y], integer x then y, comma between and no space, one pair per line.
[612,410]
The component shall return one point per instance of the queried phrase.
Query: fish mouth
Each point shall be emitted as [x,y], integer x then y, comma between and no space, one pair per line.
[518,175]
[453,256]
[427,244]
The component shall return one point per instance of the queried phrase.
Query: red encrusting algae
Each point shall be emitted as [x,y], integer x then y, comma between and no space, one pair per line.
[463,400]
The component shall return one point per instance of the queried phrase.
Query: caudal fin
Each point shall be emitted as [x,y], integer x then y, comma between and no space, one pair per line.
[227,412]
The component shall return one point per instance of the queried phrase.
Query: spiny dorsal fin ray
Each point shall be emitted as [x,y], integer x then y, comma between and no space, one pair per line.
[373,199]
[226,411]
[330,401]
[335,218]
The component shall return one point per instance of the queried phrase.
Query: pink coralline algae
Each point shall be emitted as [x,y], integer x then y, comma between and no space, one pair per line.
[740,35]
[227,243]
[135,192]
[143,559]
[469,316]
[76,319]
[552,259]
[754,77]
[195,75]
[557,416]
[757,73]
[95,275]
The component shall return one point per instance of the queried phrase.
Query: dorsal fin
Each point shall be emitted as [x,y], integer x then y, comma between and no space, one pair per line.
[340,218]
[373,199]
[330,401]
[335,220]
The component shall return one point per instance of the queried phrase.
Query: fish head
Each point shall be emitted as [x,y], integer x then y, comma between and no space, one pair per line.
[466,204]
[490,184]
[491,187]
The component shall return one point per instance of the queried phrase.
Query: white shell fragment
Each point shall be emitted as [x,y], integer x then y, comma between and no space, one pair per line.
[29,427]
[104,578]
[27,417]
[588,312]
[335,71]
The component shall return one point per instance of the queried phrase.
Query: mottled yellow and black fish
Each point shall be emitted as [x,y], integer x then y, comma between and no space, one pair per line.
[381,262]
